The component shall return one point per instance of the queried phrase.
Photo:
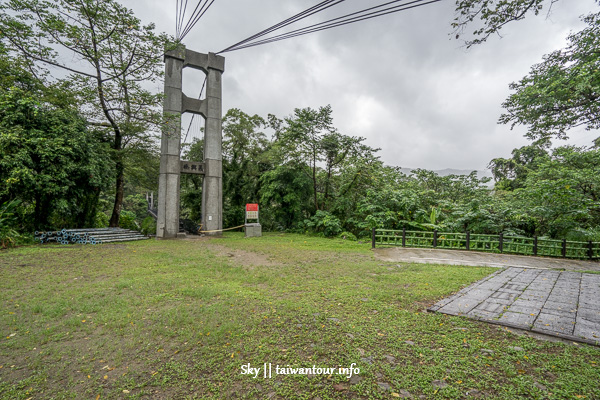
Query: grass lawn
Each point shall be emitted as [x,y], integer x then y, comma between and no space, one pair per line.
[179,319]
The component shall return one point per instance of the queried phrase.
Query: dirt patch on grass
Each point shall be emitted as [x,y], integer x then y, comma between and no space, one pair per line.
[242,257]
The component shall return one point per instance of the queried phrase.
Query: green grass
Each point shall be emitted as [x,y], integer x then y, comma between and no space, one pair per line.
[178,319]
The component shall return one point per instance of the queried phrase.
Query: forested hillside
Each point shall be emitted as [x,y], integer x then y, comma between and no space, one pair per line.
[311,178]
[306,176]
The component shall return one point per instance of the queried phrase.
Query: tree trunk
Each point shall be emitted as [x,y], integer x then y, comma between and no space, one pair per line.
[37,214]
[87,217]
[326,197]
[116,213]
[41,216]
[314,177]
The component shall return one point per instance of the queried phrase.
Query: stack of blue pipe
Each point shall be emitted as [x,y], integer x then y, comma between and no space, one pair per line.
[88,236]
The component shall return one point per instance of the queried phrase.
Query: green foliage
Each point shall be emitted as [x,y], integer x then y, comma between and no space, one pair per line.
[324,223]
[306,177]
[563,91]
[50,161]
[127,220]
[285,197]
[118,58]
[137,204]
[101,220]
[584,235]
[8,224]
[149,226]
[309,138]
[488,17]
[245,158]
[347,236]
[563,193]
[141,169]
[191,185]
[511,173]
[538,191]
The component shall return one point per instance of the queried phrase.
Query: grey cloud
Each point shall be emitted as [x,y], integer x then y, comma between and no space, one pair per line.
[400,81]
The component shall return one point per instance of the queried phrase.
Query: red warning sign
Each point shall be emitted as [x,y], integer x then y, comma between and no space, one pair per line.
[251,211]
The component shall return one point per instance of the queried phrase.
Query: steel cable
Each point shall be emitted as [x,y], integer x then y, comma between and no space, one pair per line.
[343,20]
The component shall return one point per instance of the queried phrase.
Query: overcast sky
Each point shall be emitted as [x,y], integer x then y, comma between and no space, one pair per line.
[400,81]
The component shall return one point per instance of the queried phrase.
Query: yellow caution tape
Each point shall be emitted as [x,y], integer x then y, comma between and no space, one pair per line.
[221,230]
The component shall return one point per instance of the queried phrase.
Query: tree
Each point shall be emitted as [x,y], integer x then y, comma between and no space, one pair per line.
[191,184]
[337,150]
[563,91]
[490,16]
[244,160]
[302,138]
[558,94]
[359,174]
[50,161]
[310,140]
[511,173]
[113,55]
[285,196]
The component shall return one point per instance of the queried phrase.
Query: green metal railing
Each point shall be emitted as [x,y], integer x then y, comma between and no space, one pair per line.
[490,243]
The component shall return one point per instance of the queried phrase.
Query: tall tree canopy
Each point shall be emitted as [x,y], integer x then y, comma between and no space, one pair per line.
[112,58]
[308,138]
[50,161]
[563,91]
[488,17]
[558,94]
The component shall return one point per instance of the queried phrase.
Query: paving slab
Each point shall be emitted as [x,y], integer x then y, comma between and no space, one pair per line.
[564,304]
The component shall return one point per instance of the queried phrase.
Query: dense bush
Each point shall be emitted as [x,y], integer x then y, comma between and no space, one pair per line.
[149,226]
[324,223]
[101,220]
[50,161]
[347,236]
[127,220]
[9,234]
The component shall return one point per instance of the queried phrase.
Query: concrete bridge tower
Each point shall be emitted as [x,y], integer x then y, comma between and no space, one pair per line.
[171,166]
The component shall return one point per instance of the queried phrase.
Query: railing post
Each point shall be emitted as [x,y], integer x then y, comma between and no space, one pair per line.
[435,238]
[535,245]
[590,249]
[373,238]
[564,247]
[468,244]
[500,242]
[403,237]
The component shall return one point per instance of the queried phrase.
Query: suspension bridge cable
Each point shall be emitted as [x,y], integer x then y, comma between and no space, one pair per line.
[200,4]
[177,19]
[307,28]
[321,26]
[197,18]
[363,17]
[306,13]
[194,20]
[330,24]
[182,16]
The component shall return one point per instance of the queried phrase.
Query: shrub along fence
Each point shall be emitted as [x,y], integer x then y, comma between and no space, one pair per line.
[490,243]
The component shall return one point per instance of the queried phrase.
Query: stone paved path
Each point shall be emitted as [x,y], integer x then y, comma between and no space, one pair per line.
[559,303]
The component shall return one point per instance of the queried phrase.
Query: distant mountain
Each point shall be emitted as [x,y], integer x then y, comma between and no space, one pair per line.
[451,171]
